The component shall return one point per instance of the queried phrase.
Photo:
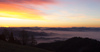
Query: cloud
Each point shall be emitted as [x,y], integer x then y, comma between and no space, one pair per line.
[23,8]
[95,19]
[16,11]
[37,2]
[27,5]
[96,0]
[69,15]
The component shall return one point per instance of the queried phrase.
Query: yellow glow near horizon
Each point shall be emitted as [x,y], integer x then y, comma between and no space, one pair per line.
[20,15]
[6,26]
[15,22]
[5,18]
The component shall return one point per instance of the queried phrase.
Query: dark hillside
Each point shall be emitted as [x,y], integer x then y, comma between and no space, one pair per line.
[9,47]
[75,44]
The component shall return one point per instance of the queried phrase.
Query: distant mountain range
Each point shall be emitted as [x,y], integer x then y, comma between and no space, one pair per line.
[74,29]
[58,29]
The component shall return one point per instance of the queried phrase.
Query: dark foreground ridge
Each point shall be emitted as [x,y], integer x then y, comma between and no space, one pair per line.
[9,47]
[75,44]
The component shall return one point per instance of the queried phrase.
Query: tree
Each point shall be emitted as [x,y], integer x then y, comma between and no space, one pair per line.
[24,37]
[11,38]
[4,35]
[33,41]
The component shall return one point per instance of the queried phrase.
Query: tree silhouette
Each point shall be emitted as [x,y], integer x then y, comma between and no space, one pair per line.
[4,35]
[11,38]
[33,41]
[24,37]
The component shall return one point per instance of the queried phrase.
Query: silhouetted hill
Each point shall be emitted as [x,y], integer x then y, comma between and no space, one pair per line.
[75,44]
[9,47]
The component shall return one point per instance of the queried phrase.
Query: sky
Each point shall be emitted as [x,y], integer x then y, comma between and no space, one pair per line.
[49,13]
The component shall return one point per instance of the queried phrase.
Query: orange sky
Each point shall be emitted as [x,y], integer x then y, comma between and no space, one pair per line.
[48,13]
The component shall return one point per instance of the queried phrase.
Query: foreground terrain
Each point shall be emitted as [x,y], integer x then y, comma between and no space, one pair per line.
[9,47]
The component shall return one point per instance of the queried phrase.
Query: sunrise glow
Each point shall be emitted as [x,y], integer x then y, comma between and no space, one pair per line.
[49,13]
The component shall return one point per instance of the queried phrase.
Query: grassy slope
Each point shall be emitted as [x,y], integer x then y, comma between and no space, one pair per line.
[8,47]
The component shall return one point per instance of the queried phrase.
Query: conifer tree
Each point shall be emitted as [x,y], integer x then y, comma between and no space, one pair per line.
[24,37]
[4,35]
[33,41]
[11,38]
